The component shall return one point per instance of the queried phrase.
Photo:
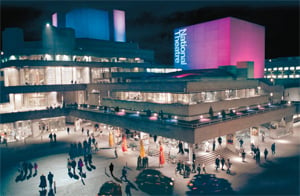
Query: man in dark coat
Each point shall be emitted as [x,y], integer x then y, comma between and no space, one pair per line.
[111,169]
[50,179]
[220,141]
[222,163]
[43,182]
[73,166]
[217,162]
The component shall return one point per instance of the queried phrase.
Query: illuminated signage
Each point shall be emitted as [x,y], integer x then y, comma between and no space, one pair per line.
[180,46]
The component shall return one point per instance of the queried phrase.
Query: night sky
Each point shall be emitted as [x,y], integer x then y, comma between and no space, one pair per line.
[151,23]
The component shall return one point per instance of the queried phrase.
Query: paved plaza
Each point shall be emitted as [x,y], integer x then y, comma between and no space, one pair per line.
[279,175]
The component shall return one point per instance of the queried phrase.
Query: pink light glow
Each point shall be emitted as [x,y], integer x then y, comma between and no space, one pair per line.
[185,75]
[204,120]
[54,19]
[119,26]
[225,41]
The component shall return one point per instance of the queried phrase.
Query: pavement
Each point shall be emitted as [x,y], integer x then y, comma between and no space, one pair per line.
[279,175]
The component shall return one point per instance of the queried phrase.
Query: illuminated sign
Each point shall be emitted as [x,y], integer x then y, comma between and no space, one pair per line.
[180,46]
[221,42]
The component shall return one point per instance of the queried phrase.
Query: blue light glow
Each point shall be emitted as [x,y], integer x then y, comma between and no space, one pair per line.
[89,23]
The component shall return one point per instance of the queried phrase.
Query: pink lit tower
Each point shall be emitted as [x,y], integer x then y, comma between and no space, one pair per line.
[222,42]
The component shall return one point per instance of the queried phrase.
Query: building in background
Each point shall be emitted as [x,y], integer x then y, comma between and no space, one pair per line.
[73,77]
[221,42]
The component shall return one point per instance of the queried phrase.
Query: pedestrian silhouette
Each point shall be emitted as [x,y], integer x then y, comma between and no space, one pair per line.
[50,179]
[43,182]
[111,169]
[266,153]
[54,137]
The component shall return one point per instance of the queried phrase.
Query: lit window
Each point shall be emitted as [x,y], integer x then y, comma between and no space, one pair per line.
[12,57]
[269,69]
[48,57]
[275,68]
[268,76]
[285,76]
[279,76]
[265,69]
[280,68]
[291,76]
[286,68]
[298,68]
[297,76]
[292,68]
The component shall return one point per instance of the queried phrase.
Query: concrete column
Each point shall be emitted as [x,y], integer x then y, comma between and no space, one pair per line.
[231,142]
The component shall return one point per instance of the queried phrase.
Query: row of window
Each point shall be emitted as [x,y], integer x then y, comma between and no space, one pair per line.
[59,57]
[283,68]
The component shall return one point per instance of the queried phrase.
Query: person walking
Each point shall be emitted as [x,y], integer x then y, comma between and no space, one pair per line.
[194,156]
[199,169]
[111,168]
[116,153]
[82,130]
[228,166]
[203,168]
[220,141]
[241,143]
[124,174]
[69,165]
[89,159]
[73,166]
[222,163]
[266,152]
[35,166]
[80,165]
[30,167]
[217,162]
[50,179]
[214,145]
[273,148]
[243,155]
[193,167]
[54,137]
[180,146]
[68,130]
[51,137]
[128,189]
[43,182]
[257,156]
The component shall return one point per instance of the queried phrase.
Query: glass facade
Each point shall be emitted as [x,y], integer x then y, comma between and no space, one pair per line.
[21,130]
[187,99]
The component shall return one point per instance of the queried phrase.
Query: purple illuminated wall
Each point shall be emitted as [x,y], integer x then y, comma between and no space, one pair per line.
[220,42]
[119,26]
[54,20]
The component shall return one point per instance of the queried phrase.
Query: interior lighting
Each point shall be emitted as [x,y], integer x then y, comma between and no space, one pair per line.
[47,25]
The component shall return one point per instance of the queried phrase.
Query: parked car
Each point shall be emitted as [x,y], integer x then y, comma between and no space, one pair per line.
[110,188]
[150,180]
[209,184]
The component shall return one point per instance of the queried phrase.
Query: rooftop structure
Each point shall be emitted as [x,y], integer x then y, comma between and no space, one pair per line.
[221,42]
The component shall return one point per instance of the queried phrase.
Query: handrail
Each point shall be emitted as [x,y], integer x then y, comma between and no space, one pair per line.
[199,124]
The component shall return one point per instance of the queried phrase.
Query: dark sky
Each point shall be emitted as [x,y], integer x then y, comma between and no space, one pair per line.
[151,23]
